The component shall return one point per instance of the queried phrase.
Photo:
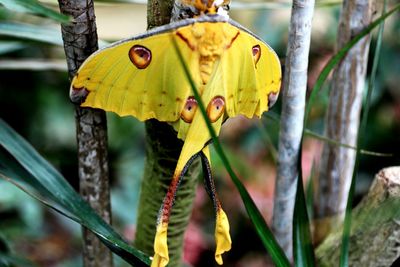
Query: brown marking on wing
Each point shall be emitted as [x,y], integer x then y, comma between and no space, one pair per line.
[233,39]
[186,40]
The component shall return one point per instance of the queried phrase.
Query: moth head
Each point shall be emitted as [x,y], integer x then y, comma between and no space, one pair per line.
[200,7]
[222,7]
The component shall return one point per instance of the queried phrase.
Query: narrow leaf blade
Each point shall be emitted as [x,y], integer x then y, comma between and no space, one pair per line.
[41,176]
[302,243]
[33,6]
[263,231]
[31,32]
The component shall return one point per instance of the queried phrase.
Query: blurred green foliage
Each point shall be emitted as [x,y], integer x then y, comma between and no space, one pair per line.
[36,104]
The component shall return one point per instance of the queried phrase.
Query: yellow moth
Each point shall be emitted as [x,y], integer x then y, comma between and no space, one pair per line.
[234,71]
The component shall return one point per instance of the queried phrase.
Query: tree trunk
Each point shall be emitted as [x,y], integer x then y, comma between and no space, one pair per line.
[80,40]
[291,128]
[375,231]
[162,152]
[342,121]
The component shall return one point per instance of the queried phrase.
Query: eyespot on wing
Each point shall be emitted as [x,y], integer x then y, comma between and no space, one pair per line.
[189,109]
[216,108]
[140,56]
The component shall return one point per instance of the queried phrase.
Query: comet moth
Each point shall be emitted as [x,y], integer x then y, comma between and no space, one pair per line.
[234,72]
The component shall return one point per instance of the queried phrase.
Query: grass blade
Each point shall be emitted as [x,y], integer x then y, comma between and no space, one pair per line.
[33,6]
[310,190]
[31,32]
[275,118]
[302,243]
[29,168]
[10,46]
[263,231]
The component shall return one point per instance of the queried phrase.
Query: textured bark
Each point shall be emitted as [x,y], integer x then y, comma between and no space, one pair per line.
[162,152]
[80,40]
[291,127]
[342,121]
[158,12]
[375,233]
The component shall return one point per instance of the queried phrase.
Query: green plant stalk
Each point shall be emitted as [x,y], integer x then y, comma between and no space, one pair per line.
[309,132]
[334,142]
[162,151]
[344,255]
[265,234]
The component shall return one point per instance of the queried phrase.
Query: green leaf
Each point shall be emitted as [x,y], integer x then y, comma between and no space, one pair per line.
[302,243]
[344,253]
[263,231]
[33,64]
[10,46]
[32,32]
[36,33]
[13,260]
[22,165]
[33,6]
[9,259]
[310,190]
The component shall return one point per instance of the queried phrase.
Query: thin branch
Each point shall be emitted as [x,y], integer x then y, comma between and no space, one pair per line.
[291,128]
[80,40]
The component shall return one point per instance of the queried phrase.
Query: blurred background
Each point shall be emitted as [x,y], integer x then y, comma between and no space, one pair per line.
[34,101]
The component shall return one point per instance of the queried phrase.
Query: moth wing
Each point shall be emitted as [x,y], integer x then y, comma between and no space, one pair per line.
[113,81]
[248,81]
